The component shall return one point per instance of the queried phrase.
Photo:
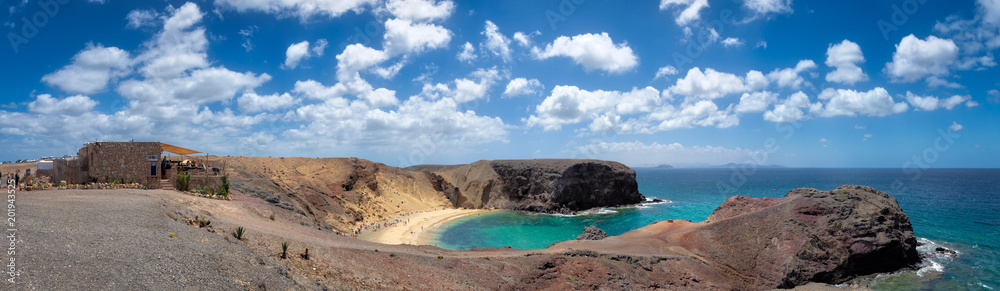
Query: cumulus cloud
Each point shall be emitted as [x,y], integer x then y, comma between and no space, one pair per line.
[764,7]
[641,154]
[142,18]
[295,53]
[845,57]
[303,9]
[732,42]
[420,10]
[844,102]
[496,43]
[301,51]
[789,110]
[522,86]
[915,59]
[665,71]
[251,102]
[592,51]
[91,70]
[955,126]
[73,105]
[689,9]
[931,103]
[710,84]
[571,105]
[468,53]
[403,36]
[756,101]
[791,77]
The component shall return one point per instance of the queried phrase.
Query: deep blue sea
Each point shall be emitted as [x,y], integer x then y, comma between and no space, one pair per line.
[954,208]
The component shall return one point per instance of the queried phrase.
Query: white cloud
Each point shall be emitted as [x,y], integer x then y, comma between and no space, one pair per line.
[690,11]
[465,90]
[91,70]
[824,140]
[570,105]
[843,102]
[955,126]
[142,18]
[592,51]
[790,77]
[845,57]
[390,71]
[73,105]
[405,37]
[708,85]
[319,48]
[303,9]
[664,71]
[931,103]
[524,39]
[867,136]
[201,86]
[732,42]
[976,37]
[357,58]
[768,6]
[522,86]
[756,101]
[179,47]
[690,114]
[468,53]
[756,80]
[295,53]
[496,42]
[915,58]
[761,44]
[641,154]
[251,102]
[420,10]
[858,126]
[789,109]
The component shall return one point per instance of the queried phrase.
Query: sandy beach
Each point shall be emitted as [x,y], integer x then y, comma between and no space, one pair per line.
[415,231]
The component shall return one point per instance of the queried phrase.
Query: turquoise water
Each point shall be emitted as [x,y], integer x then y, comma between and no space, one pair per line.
[955,208]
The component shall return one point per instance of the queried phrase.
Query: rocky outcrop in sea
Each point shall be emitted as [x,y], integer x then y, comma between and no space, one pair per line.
[547,186]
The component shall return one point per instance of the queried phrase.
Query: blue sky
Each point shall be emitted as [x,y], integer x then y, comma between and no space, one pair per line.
[906,84]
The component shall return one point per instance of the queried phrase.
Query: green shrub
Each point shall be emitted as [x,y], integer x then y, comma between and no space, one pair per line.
[183,181]
[206,190]
[284,250]
[238,233]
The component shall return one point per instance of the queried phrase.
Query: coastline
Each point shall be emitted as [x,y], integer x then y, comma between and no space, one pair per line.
[419,228]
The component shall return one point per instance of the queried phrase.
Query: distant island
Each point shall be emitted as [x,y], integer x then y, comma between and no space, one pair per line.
[711,166]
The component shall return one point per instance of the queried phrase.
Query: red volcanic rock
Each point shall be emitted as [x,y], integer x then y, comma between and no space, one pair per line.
[809,236]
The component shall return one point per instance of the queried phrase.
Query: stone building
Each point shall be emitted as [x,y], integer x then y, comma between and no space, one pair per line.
[124,162]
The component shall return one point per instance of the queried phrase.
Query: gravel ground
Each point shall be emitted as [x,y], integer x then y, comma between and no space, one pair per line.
[93,239]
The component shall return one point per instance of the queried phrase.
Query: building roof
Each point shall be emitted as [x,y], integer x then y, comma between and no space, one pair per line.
[177,150]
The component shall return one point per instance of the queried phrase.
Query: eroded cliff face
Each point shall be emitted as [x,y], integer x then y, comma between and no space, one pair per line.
[811,235]
[551,186]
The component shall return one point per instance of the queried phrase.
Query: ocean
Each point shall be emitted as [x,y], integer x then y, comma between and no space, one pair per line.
[955,208]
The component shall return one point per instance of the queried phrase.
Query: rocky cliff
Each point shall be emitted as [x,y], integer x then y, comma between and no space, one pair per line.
[765,243]
[552,186]
[811,236]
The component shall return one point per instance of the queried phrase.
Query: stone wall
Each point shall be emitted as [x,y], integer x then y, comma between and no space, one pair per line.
[122,161]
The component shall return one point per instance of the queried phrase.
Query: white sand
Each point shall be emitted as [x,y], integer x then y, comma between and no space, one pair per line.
[411,233]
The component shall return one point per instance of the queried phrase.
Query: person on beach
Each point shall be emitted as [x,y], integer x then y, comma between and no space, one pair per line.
[17,180]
